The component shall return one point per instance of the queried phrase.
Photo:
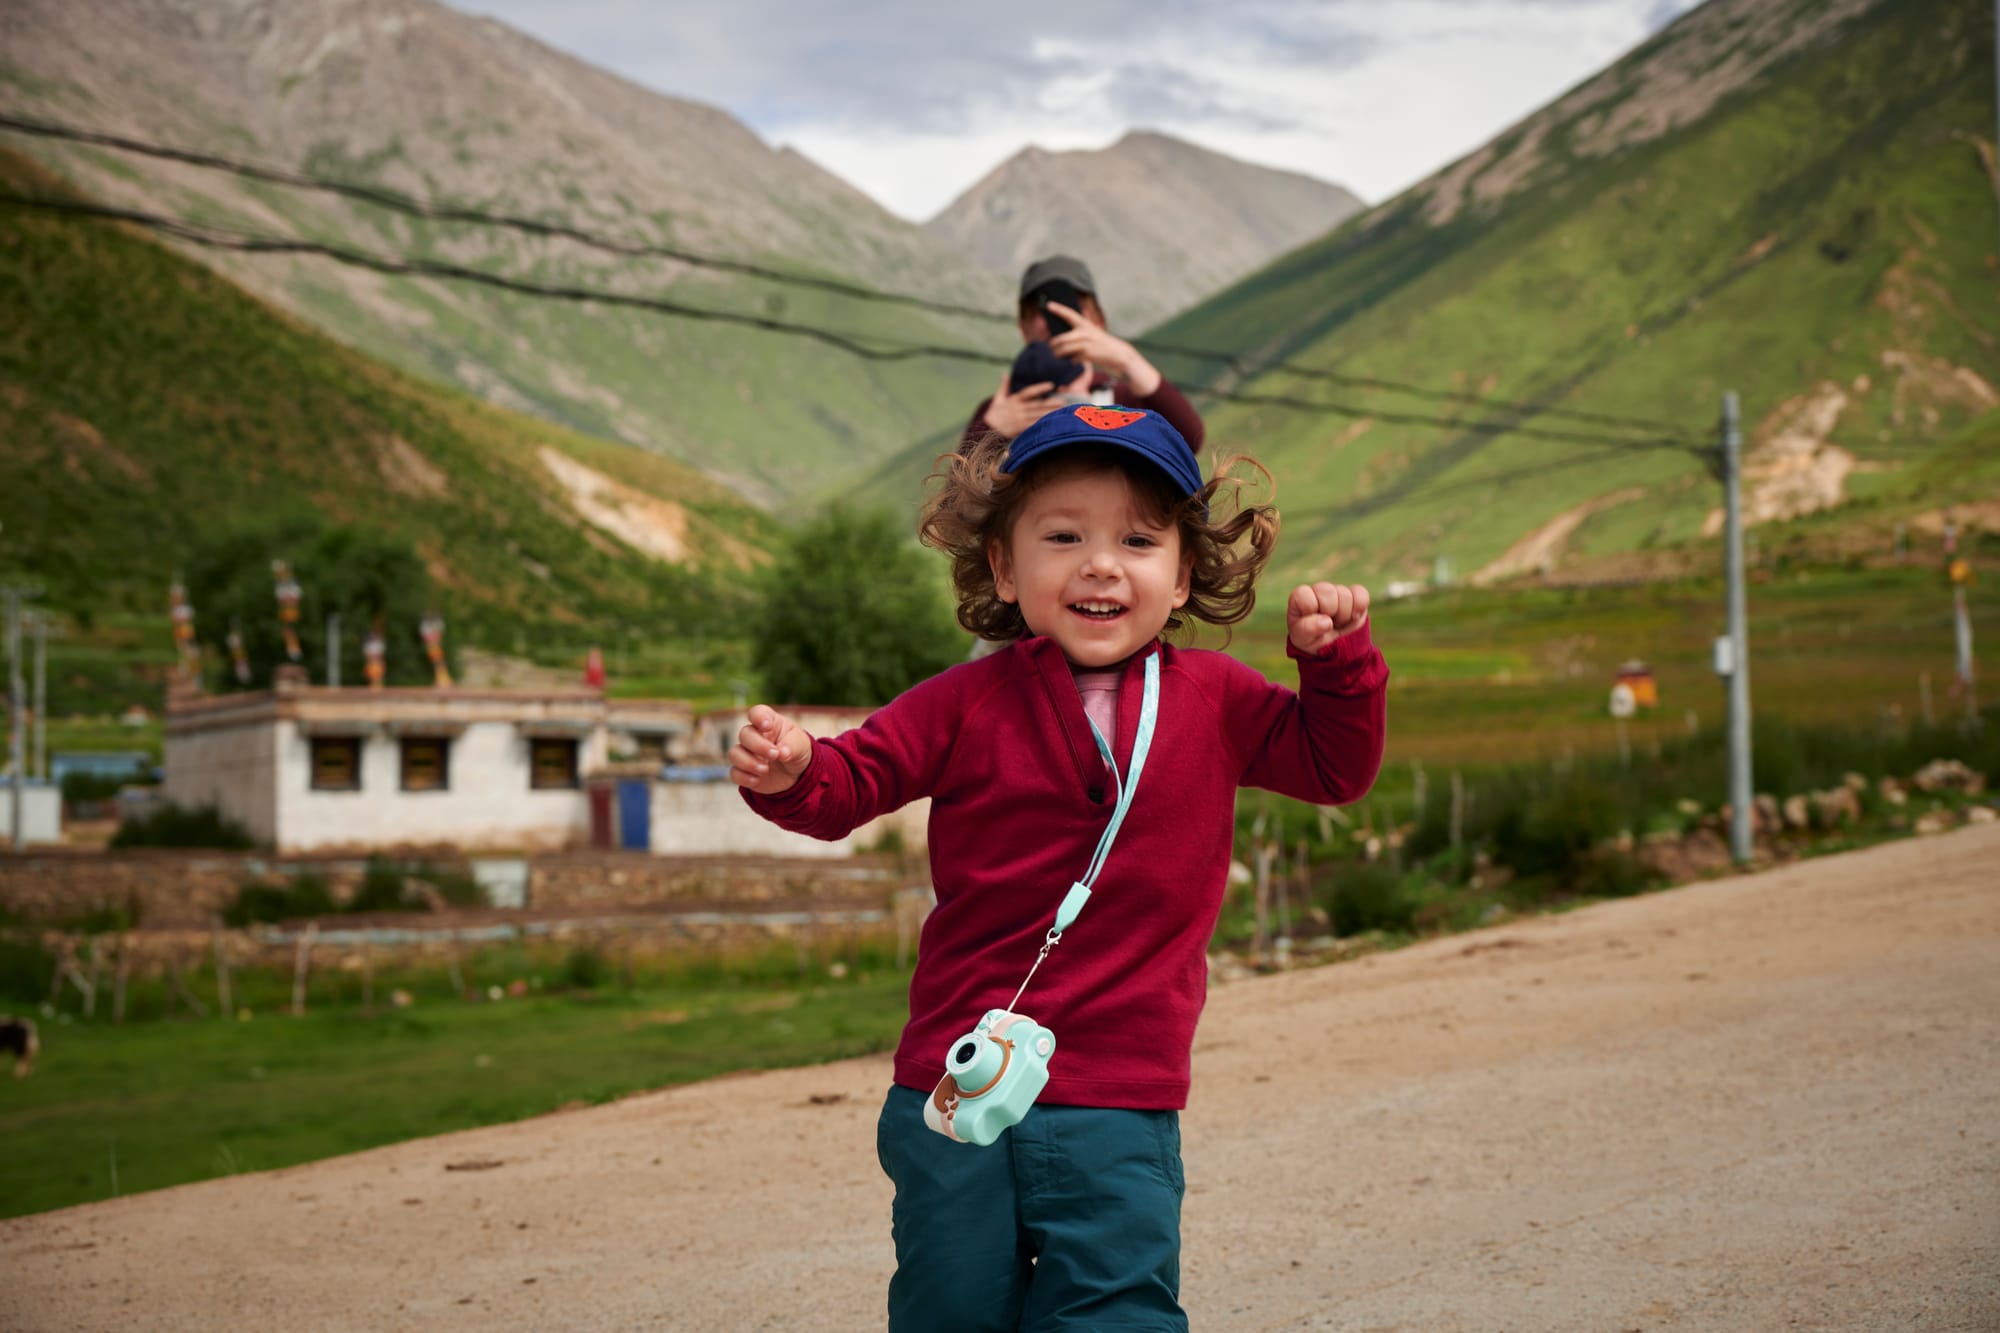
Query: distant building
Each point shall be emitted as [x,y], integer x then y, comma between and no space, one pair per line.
[1638,678]
[41,812]
[311,768]
[99,763]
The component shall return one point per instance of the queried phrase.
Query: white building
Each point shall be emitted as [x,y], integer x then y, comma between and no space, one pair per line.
[312,769]
[41,812]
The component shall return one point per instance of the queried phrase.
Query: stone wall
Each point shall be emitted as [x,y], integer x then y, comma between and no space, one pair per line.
[588,880]
[162,888]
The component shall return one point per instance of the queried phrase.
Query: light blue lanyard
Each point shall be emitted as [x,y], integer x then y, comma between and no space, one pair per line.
[1125,787]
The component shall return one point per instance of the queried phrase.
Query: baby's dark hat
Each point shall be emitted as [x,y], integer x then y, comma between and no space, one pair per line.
[1039,364]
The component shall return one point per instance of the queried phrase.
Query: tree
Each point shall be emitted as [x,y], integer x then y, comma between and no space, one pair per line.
[853,614]
[361,573]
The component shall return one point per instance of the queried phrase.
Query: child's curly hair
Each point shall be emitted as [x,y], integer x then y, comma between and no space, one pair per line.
[973,503]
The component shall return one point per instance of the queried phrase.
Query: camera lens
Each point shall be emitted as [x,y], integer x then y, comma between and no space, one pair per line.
[975,1061]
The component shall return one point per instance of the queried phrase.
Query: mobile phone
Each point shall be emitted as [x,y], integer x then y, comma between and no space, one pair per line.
[1062,293]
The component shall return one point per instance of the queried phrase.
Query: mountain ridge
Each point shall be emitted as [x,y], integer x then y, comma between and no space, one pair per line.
[1162,222]
[411,96]
[1803,236]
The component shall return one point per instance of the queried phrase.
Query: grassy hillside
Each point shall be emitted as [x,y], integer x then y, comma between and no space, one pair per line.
[419,99]
[1824,235]
[146,403]
[1821,240]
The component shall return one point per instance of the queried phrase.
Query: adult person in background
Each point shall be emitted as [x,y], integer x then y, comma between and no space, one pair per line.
[1059,308]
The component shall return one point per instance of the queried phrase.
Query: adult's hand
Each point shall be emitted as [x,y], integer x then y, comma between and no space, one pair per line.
[1104,349]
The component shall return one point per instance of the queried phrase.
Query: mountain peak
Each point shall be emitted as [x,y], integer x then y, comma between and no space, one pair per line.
[1161,221]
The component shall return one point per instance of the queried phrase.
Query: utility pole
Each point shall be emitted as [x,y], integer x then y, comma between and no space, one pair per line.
[41,624]
[333,640]
[1741,801]
[14,594]
[1962,635]
[1960,569]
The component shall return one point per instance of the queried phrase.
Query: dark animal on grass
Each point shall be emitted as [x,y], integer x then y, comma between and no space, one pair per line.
[17,1036]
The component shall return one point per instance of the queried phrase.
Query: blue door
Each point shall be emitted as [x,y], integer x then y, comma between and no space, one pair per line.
[635,804]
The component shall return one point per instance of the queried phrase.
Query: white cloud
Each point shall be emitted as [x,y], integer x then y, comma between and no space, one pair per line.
[913,102]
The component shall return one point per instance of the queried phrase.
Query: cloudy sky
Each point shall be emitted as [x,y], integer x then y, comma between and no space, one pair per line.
[915,100]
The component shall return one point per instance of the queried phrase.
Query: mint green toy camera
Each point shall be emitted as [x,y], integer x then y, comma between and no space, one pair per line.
[992,1076]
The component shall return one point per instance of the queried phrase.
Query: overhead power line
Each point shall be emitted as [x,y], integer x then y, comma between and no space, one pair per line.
[252,243]
[433,212]
[436,212]
[1488,425]
[222,238]
[1465,396]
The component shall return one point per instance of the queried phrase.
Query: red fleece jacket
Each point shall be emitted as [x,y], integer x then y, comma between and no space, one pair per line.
[1019,798]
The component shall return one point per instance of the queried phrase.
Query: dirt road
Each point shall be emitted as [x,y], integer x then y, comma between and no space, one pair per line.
[1770,1102]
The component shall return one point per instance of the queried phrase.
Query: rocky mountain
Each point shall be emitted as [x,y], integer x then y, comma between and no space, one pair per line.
[415,97]
[1161,222]
[1793,200]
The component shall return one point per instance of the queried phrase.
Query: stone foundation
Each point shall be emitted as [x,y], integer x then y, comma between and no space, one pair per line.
[165,889]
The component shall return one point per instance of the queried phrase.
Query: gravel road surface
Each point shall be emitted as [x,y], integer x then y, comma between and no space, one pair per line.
[1768,1102]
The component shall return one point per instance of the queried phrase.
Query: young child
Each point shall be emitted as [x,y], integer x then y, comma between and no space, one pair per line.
[1083,541]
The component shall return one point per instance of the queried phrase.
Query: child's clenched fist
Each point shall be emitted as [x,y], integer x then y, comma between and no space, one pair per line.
[1319,613]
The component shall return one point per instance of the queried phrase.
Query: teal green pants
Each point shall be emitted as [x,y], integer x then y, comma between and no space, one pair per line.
[1071,1219]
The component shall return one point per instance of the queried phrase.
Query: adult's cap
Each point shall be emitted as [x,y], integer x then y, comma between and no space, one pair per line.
[1145,433]
[1057,268]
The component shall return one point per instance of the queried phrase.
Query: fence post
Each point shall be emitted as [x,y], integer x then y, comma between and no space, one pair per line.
[1457,810]
[367,978]
[223,1001]
[118,978]
[301,960]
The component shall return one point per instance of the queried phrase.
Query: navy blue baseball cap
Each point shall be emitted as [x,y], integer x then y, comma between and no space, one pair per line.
[1145,433]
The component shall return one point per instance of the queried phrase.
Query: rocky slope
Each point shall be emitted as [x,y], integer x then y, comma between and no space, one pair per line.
[413,96]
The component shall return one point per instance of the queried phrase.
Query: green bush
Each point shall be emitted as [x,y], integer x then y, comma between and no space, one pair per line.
[456,887]
[586,968]
[1370,897]
[179,826]
[26,971]
[306,895]
[852,615]
[381,889]
[385,887]
[80,786]
[256,902]
[1610,874]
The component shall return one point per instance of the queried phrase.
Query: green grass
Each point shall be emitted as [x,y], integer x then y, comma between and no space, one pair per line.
[1482,676]
[116,1110]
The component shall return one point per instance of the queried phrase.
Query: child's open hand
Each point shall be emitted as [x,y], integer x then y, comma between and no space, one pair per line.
[769,753]
[1319,613]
